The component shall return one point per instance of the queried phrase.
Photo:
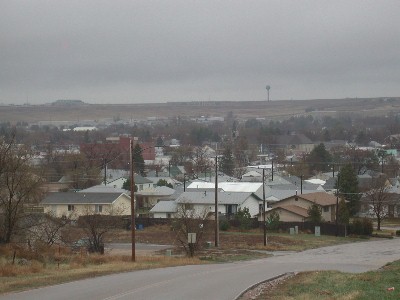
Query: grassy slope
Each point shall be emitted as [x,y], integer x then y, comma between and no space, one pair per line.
[336,285]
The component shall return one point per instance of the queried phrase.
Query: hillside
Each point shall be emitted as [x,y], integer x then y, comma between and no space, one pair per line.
[274,110]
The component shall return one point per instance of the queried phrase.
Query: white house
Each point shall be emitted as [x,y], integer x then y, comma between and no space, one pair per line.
[71,204]
[229,203]
[164,209]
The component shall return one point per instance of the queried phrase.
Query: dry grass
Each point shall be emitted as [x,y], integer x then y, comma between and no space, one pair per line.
[29,273]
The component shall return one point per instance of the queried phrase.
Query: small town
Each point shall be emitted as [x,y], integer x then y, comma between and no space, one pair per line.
[227,150]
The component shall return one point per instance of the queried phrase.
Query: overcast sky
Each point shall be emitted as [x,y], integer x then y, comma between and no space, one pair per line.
[157,51]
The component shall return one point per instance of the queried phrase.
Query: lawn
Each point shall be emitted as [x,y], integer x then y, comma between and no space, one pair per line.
[380,284]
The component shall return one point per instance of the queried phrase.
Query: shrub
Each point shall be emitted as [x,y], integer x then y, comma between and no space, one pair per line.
[273,221]
[224,225]
[244,218]
[361,226]
[397,232]
[367,226]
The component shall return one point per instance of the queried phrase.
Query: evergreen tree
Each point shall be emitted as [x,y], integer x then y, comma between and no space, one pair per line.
[343,212]
[227,164]
[319,159]
[348,187]
[314,213]
[138,161]
[163,182]
[127,185]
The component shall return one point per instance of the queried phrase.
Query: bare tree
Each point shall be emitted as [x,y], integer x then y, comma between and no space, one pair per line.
[201,161]
[96,226]
[45,228]
[379,198]
[19,186]
[190,221]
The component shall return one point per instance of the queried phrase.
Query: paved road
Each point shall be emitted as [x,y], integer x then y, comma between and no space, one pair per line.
[219,281]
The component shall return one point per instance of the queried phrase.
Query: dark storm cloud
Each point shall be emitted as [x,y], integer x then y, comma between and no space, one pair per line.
[138,51]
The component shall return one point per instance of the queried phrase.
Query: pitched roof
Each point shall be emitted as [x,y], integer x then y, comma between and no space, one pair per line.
[249,187]
[294,209]
[209,198]
[103,189]
[320,198]
[158,191]
[164,206]
[81,198]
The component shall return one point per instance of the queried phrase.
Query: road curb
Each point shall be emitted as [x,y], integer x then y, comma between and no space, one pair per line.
[261,282]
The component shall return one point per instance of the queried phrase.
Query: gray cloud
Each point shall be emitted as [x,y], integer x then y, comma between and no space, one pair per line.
[155,51]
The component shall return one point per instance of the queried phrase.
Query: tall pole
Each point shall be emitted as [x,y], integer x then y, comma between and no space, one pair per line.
[216,204]
[133,225]
[264,225]
[105,171]
[301,184]
[337,206]
[272,170]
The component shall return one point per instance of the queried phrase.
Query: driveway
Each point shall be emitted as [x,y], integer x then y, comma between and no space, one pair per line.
[219,281]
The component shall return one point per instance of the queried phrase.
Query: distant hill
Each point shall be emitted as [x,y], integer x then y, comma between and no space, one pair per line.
[77,110]
[67,102]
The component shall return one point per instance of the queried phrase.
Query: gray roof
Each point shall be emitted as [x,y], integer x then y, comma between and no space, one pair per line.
[209,198]
[141,180]
[158,191]
[164,206]
[81,198]
[282,194]
[103,189]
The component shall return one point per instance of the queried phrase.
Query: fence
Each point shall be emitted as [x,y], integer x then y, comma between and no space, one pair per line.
[326,228]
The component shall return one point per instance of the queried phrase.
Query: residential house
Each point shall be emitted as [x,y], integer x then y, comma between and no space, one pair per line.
[228,202]
[146,199]
[294,143]
[294,208]
[164,209]
[72,204]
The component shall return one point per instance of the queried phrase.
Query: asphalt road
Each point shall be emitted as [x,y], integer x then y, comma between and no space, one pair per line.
[218,281]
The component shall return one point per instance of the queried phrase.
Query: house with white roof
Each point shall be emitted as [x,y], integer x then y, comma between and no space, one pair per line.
[229,203]
[164,209]
[146,199]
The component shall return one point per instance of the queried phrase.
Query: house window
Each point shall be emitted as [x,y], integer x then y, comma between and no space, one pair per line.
[326,208]
[188,206]
[231,209]
[71,208]
[99,208]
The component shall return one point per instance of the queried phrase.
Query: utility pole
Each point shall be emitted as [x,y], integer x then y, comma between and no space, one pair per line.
[264,225]
[272,170]
[337,206]
[133,225]
[105,171]
[301,184]
[216,204]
